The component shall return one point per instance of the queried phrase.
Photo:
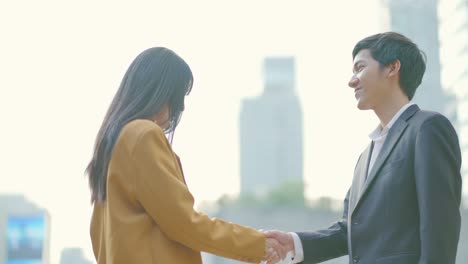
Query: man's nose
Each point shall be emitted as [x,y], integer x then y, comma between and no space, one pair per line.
[353,82]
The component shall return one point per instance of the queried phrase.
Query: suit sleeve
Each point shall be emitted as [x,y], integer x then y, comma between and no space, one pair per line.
[438,185]
[328,243]
[169,202]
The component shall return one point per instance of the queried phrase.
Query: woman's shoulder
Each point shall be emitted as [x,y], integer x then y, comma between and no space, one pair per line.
[140,126]
[135,130]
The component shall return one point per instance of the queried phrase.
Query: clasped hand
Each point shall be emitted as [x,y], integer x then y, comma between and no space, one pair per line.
[277,246]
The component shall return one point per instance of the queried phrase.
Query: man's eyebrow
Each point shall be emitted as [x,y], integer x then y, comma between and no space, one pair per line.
[354,69]
[357,62]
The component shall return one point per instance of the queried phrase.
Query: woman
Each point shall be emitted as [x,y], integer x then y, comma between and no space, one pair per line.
[143,211]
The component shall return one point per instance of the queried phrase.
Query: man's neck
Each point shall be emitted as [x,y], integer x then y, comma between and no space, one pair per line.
[387,111]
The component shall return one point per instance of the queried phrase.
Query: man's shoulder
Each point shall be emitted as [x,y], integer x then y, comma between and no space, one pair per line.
[424,116]
[425,119]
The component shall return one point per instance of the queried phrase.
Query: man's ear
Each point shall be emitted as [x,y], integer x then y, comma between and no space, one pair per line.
[393,69]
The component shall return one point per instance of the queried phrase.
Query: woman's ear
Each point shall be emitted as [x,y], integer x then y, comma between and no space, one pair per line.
[162,118]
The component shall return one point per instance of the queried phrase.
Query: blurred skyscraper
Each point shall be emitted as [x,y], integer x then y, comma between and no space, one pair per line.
[418,20]
[454,56]
[73,256]
[271,131]
[24,231]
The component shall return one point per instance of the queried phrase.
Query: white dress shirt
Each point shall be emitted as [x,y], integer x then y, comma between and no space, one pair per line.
[378,137]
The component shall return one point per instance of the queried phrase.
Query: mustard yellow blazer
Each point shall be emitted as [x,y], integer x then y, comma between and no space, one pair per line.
[148,215]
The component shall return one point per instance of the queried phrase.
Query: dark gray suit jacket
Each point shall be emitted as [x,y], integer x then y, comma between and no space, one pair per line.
[407,212]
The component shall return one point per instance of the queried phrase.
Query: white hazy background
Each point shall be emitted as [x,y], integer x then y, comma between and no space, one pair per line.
[62,61]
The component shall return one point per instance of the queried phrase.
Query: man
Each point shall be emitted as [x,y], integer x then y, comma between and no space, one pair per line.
[403,204]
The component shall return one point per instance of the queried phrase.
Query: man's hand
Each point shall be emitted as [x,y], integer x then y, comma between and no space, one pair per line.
[284,238]
[274,251]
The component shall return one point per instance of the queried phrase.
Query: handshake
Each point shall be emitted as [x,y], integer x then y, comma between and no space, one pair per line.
[277,246]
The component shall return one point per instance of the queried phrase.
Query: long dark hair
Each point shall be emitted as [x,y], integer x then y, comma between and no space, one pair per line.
[157,77]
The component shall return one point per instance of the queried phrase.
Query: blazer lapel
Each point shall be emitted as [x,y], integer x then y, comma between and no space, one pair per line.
[393,136]
[180,168]
[359,177]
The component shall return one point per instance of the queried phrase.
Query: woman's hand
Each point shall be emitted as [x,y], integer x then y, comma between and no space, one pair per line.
[274,251]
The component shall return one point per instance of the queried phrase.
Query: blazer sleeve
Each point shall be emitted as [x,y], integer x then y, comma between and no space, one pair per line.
[438,184]
[328,243]
[167,199]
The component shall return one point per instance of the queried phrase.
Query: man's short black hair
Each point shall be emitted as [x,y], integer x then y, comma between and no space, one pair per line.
[388,47]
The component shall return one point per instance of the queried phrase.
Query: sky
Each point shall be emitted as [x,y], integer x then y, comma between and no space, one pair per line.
[62,61]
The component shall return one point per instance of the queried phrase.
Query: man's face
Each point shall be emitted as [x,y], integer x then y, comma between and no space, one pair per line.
[368,81]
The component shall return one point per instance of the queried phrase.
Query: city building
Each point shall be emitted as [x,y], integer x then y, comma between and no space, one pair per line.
[24,231]
[454,56]
[73,256]
[271,141]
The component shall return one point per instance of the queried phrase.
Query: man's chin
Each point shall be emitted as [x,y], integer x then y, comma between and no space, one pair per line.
[362,106]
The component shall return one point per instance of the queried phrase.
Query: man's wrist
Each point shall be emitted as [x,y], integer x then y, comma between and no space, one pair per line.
[298,252]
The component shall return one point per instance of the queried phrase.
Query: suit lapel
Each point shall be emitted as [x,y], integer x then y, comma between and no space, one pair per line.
[392,138]
[180,168]
[359,177]
[394,134]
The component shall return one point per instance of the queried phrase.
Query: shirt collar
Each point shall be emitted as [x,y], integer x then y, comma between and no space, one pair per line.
[378,132]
